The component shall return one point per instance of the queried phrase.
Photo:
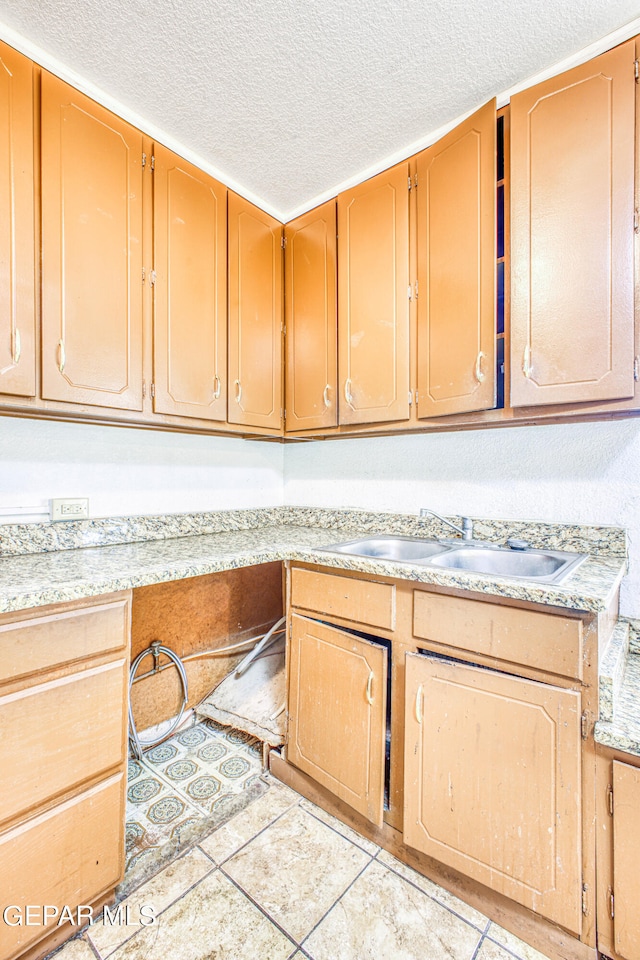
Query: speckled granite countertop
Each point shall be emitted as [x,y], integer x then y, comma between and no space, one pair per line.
[618,726]
[35,579]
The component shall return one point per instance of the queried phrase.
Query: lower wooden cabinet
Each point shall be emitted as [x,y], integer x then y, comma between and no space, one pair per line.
[66,856]
[63,729]
[492,781]
[618,849]
[337,708]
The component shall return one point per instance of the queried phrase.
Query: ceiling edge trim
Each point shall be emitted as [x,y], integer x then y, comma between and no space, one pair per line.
[587,53]
[55,66]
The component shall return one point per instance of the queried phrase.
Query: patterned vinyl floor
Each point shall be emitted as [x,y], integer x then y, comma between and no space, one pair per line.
[185,785]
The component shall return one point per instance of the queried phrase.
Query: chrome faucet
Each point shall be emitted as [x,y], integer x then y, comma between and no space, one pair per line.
[467,524]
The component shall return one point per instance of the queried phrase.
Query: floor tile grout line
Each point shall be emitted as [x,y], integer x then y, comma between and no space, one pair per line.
[84,936]
[262,910]
[335,830]
[157,915]
[431,896]
[338,899]
[251,839]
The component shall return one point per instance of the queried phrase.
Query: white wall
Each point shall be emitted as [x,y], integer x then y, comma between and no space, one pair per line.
[127,471]
[573,473]
[569,473]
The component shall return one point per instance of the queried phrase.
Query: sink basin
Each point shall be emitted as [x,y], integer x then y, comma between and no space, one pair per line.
[546,565]
[390,548]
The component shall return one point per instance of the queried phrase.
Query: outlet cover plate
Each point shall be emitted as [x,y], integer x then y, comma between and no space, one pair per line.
[69,508]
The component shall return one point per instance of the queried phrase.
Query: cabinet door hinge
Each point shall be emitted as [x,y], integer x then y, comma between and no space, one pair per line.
[144,160]
[415,289]
[410,292]
[409,182]
[152,277]
[585,901]
[584,725]
[144,273]
[410,397]
[152,390]
[636,368]
[415,181]
[612,906]
[636,69]
[283,242]
[144,389]
[636,224]
[153,163]
[610,799]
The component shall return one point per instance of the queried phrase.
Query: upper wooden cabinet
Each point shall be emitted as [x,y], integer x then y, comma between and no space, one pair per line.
[311,320]
[190,291]
[373,299]
[456,200]
[572,234]
[493,781]
[255,316]
[91,252]
[17,245]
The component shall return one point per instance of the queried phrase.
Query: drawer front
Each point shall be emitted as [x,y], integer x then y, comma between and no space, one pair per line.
[543,641]
[42,642]
[60,734]
[365,601]
[70,855]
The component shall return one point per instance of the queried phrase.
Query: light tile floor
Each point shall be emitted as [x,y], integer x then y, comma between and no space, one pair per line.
[282,879]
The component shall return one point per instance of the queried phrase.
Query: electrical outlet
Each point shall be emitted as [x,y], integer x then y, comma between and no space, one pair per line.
[76,508]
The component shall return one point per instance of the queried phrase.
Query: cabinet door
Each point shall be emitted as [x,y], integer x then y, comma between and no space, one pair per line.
[17,244]
[456,200]
[492,782]
[91,252]
[572,206]
[190,291]
[66,856]
[255,316]
[311,319]
[373,302]
[626,857]
[337,707]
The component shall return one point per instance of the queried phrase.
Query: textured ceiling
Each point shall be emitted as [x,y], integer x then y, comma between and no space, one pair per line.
[290,98]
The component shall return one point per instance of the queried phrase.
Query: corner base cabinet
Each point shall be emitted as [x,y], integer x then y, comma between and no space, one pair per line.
[485,783]
[63,720]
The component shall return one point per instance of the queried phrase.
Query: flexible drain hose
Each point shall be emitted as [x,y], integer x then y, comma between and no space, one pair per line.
[155,650]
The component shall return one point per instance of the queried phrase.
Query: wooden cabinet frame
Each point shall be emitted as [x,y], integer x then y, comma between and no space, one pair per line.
[575,675]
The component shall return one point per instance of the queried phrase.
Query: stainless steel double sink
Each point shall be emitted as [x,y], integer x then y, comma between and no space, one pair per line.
[546,566]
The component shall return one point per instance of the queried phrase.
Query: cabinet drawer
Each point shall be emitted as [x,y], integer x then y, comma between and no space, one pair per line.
[50,640]
[60,734]
[364,601]
[69,855]
[540,640]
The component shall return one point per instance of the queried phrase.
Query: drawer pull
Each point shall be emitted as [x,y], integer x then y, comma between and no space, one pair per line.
[238,387]
[419,704]
[325,396]
[217,386]
[369,689]
[479,373]
[526,362]
[62,356]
